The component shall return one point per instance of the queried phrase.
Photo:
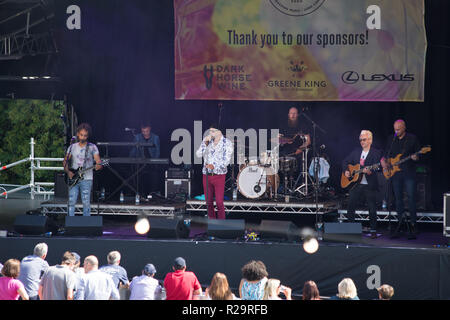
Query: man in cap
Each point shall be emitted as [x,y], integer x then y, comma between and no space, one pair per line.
[146,287]
[181,284]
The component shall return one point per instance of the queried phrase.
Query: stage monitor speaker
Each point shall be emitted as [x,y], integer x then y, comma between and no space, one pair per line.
[446,208]
[31,224]
[61,190]
[168,228]
[226,229]
[342,232]
[277,229]
[84,225]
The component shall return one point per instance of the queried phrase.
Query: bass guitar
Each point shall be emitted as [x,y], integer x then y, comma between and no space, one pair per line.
[393,164]
[355,174]
[78,174]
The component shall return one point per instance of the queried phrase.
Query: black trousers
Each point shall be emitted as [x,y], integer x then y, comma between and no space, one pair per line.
[358,193]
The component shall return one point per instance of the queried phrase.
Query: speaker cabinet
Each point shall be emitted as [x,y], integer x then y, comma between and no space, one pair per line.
[342,232]
[167,228]
[31,224]
[226,229]
[61,189]
[84,226]
[276,229]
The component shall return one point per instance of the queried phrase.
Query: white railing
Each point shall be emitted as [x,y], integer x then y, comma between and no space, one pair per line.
[36,188]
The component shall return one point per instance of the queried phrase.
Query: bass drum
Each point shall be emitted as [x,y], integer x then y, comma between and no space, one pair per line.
[254,181]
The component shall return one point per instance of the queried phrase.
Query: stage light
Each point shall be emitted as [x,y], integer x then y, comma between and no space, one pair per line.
[142,226]
[311,245]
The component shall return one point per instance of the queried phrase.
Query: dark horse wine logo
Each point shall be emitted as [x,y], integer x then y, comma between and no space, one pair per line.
[208,78]
[297,7]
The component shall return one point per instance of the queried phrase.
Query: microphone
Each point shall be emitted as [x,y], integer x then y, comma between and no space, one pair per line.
[74,138]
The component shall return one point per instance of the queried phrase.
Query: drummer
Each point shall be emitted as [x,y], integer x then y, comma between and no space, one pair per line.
[293,139]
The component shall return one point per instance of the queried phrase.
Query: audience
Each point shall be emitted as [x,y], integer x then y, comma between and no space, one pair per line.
[10,287]
[254,278]
[95,284]
[58,282]
[385,292]
[181,284]
[346,290]
[146,287]
[117,272]
[32,268]
[310,291]
[273,288]
[219,288]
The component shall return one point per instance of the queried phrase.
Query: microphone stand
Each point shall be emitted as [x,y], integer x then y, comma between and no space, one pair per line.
[316,179]
[387,194]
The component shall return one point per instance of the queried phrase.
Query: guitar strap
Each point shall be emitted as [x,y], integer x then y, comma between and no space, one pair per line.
[85,154]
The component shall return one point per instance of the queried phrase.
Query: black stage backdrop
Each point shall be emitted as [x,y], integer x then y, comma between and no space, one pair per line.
[118,71]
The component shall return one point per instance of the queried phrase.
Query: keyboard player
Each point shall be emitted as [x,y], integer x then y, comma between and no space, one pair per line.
[150,177]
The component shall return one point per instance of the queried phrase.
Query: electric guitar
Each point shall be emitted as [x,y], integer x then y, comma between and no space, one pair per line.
[394,163]
[79,173]
[355,174]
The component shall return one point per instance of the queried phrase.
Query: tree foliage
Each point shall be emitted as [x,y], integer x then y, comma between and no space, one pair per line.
[21,120]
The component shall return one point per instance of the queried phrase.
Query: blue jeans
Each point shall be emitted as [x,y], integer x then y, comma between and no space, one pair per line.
[405,181]
[84,187]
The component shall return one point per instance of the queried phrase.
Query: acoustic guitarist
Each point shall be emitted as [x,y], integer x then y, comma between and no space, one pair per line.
[406,144]
[367,186]
[81,154]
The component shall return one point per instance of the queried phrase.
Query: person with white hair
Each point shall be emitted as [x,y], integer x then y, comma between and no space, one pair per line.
[96,285]
[32,268]
[346,290]
[367,185]
[117,272]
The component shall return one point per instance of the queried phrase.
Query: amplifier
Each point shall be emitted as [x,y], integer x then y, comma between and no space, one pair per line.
[178,188]
[446,210]
[178,173]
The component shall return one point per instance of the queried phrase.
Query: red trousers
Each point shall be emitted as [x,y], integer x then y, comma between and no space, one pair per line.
[216,187]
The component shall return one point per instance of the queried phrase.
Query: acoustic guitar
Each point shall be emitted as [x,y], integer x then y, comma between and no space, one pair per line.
[355,174]
[394,163]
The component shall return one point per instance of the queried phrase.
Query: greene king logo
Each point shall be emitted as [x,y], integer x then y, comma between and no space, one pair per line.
[297,7]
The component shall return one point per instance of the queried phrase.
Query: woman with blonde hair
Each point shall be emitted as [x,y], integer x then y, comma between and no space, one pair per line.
[219,288]
[346,290]
[273,289]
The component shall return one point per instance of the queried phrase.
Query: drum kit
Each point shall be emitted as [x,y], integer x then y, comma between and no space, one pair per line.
[259,177]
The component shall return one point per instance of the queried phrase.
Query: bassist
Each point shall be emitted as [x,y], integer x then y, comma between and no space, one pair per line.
[81,154]
[367,186]
[406,144]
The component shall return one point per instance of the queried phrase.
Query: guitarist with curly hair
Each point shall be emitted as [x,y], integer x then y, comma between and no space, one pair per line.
[81,154]
[365,161]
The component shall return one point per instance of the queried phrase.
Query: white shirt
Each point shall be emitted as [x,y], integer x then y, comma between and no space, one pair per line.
[363,157]
[219,155]
[97,285]
[144,288]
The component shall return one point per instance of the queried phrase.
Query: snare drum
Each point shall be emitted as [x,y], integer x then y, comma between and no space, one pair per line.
[288,164]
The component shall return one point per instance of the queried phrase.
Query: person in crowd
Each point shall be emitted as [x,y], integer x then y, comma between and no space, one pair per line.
[346,290]
[310,291]
[32,268]
[117,272]
[181,284]
[12,288]
[96,285]
[58,282]
[254,278]
[145,286]
[273,288]
[79,272]
[219,288]
[385,292]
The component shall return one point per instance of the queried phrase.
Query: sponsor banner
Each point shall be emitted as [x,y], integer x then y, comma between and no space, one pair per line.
[321,50]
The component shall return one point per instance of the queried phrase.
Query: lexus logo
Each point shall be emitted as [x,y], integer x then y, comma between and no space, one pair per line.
[350,77]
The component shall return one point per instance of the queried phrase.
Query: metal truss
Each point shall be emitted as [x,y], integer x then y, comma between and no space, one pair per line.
[108,209]
[383,216]
[267,207]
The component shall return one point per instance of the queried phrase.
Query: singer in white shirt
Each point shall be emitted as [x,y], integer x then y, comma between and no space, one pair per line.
[216,151]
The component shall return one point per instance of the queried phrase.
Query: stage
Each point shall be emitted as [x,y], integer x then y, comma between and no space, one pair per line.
[369,262]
